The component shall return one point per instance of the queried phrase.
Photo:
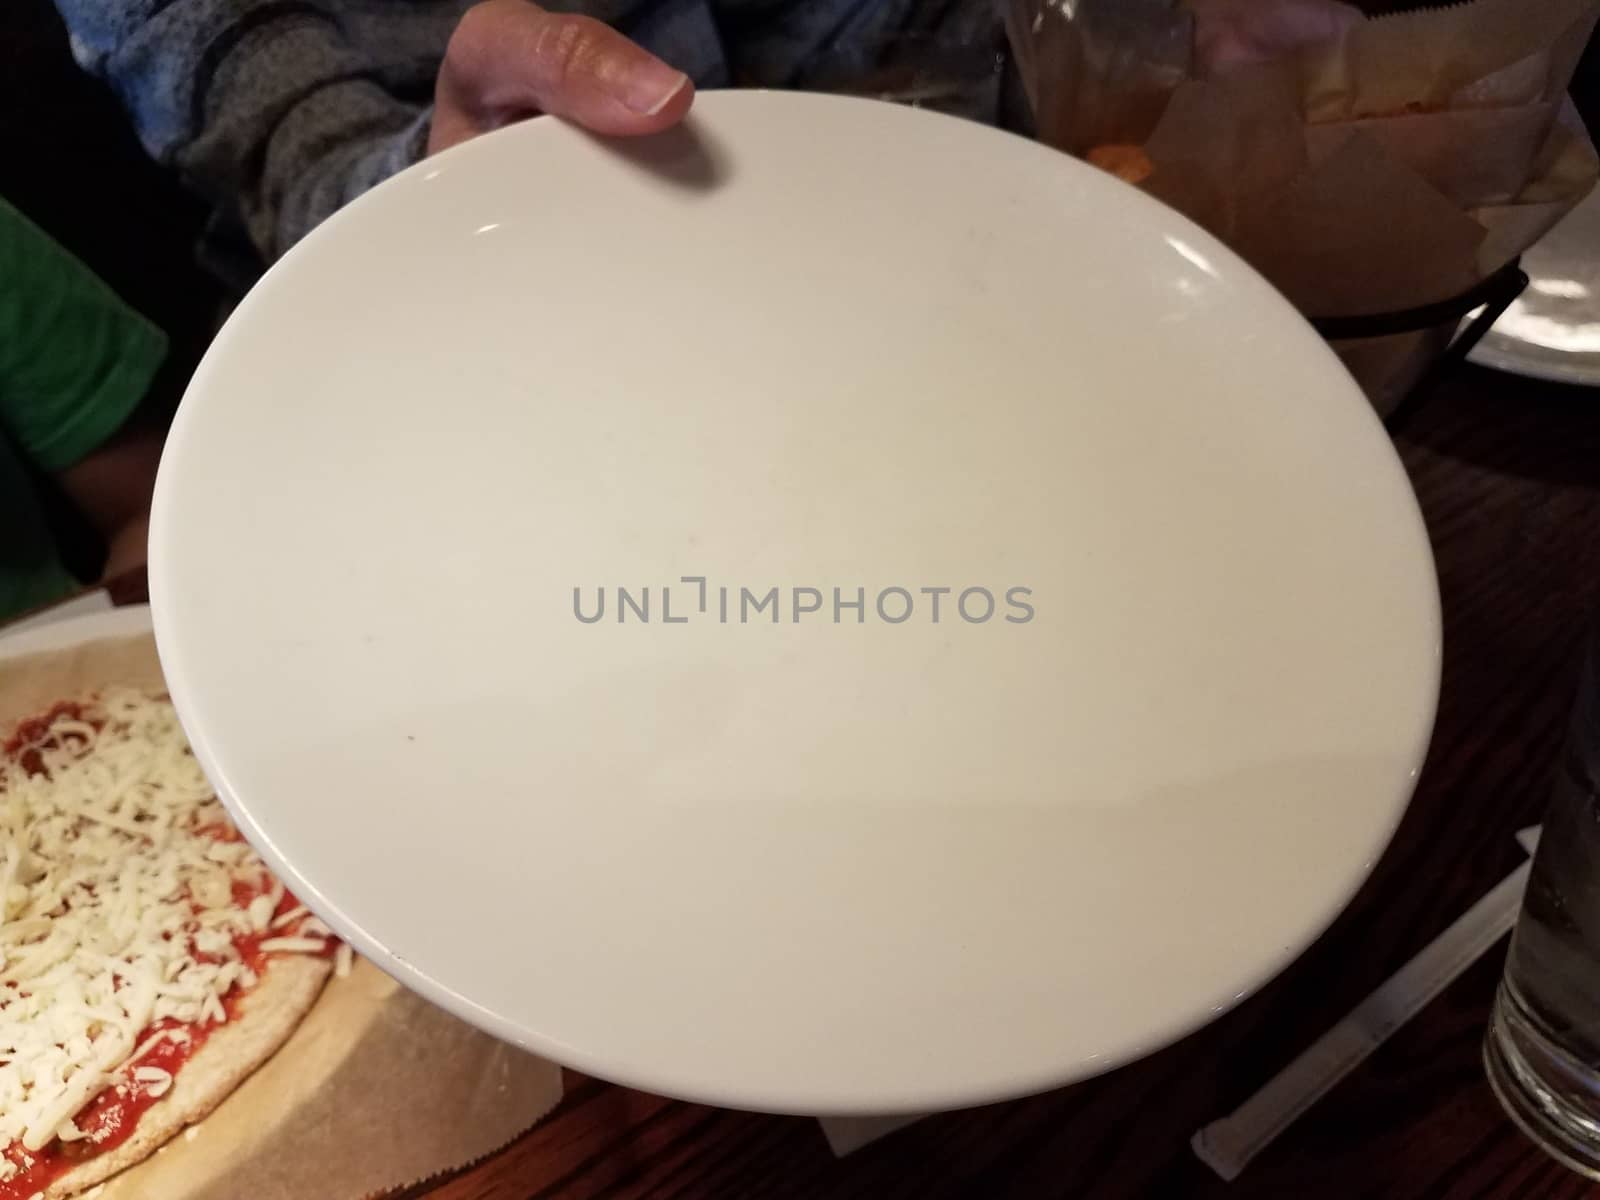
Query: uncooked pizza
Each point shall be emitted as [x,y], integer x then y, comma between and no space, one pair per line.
[148,960]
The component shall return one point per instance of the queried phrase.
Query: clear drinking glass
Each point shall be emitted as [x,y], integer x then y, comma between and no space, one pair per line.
[1543,1046]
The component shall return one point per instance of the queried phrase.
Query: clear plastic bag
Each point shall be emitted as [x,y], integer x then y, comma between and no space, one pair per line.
[1099,72]
[1365,166]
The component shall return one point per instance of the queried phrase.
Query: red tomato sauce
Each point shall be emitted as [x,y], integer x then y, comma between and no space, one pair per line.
[114,1113]
[111,1117]
[33,733]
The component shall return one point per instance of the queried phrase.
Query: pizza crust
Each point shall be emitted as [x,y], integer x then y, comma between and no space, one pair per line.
[266,1016]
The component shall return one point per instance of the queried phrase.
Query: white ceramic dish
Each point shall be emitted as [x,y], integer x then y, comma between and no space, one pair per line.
[812,867]
[1552,331]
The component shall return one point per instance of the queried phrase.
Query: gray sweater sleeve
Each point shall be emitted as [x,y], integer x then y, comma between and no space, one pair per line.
[281,111]
[277,111]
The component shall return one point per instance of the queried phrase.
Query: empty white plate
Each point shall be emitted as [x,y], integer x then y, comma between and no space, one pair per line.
[815,857]
[1552,330]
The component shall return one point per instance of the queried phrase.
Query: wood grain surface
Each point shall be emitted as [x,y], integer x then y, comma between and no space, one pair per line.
[1508,473]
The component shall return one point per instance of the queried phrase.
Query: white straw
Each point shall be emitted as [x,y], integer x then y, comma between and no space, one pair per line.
[1228,1145]
[846,1135]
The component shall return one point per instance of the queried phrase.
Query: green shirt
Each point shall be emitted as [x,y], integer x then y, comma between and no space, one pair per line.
[75,362]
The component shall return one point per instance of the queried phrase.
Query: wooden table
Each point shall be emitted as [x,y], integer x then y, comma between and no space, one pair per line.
[1508,472]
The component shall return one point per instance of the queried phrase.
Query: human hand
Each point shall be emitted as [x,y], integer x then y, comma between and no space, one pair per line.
[1237,33]
[111,486]
[510,59]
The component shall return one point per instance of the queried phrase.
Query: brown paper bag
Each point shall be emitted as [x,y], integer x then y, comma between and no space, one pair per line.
[1394,166]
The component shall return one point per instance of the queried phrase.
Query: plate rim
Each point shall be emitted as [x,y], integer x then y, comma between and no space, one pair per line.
[1497,355]
[910,1096]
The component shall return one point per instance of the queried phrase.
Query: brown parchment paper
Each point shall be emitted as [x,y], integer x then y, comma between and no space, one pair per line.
[1392,166]
[376,1090]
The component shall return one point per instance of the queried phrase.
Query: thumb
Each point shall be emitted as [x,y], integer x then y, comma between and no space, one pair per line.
[509,59]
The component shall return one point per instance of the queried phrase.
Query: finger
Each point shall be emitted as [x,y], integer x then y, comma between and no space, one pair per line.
[509,58]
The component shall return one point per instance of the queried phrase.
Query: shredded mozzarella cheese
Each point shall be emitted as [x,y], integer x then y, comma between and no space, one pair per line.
[117,911]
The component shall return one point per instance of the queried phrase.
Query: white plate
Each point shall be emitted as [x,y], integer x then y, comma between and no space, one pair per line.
[68,632]
[1552,331]
[816,867]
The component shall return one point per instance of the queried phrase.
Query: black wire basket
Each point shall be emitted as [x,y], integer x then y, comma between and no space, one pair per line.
[1489,299]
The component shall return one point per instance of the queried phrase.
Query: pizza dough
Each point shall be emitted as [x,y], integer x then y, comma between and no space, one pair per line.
[266,1016]
[133,921]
